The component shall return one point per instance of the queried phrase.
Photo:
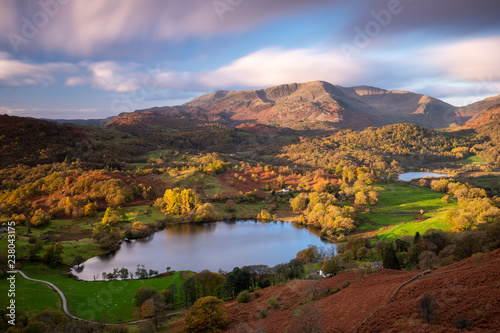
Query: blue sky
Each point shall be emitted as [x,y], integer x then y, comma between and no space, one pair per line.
[97,58]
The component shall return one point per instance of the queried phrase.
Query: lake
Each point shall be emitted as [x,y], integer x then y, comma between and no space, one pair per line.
[414,175]
[212,246]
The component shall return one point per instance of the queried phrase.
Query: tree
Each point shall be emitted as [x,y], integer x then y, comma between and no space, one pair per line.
[237,281]
[281,181]
[390,259]
[209,283]
[33,250]
[428,260]
[153,307]
[427,307]
[90,209]
[109,218]
[307,320]
[299,203]
[177,202]
[311,254]
[206,213]
[143,294]
[52,255]
[332,266]
[208,314]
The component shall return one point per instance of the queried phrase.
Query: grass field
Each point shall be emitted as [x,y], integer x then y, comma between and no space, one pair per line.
[398,209]
[101,301]
[472,160]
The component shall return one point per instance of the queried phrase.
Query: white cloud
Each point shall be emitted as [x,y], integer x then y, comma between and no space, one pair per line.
[18,73]
[275,66]
[471,60]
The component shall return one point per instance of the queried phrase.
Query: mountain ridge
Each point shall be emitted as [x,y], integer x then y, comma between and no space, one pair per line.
[313,102]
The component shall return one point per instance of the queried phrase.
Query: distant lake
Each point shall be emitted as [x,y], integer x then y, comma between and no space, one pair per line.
[414,175]
[212,246]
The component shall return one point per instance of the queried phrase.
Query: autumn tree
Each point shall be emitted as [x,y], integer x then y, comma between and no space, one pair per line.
[143,294]
[176,201]
[208,314]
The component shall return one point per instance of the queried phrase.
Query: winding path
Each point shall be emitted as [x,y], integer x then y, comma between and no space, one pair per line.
[65,305]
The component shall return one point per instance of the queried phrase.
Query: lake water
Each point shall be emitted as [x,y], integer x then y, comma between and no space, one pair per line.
[414,175]
[212,246]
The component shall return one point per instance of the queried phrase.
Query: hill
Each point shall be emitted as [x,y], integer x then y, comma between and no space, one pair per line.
[397,106]
[385,299]
[475,109]
[310,105]
[33,141]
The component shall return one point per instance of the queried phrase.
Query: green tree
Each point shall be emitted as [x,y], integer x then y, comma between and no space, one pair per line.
[208,314]
[332,266]
[390,259]
[52,255]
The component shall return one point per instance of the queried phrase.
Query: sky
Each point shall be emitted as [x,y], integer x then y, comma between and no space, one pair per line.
[89,59]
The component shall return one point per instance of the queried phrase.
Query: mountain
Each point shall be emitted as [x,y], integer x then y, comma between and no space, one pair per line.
[475,109]
[286,105]
[485,118]
[310,105]
[397,106]
[83,122]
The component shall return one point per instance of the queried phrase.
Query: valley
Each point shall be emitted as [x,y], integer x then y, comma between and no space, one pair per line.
[321,156]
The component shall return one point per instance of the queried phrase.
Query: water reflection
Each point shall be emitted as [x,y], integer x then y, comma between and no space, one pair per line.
[212,246]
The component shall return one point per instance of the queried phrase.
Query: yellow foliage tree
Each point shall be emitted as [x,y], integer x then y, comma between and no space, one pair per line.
[208,314]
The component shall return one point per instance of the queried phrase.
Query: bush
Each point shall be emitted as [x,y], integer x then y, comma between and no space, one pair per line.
[263,313]
[427,307]
[334,290]
[244,297]
[346,284]
[463,323]
[274,302]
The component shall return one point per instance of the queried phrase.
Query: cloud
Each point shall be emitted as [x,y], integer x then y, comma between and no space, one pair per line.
[18,73]
[469,60]
[85,28]
[273,66]
[51,113]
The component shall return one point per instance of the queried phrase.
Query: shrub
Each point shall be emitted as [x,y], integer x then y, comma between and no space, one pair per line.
[463,323]
[427,307]
[346,284]
[263,313]
[334,290]
[273,302]
[244,297]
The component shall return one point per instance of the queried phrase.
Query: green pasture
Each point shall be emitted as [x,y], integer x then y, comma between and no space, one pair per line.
[435,221]
[105,301]
[398,209]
